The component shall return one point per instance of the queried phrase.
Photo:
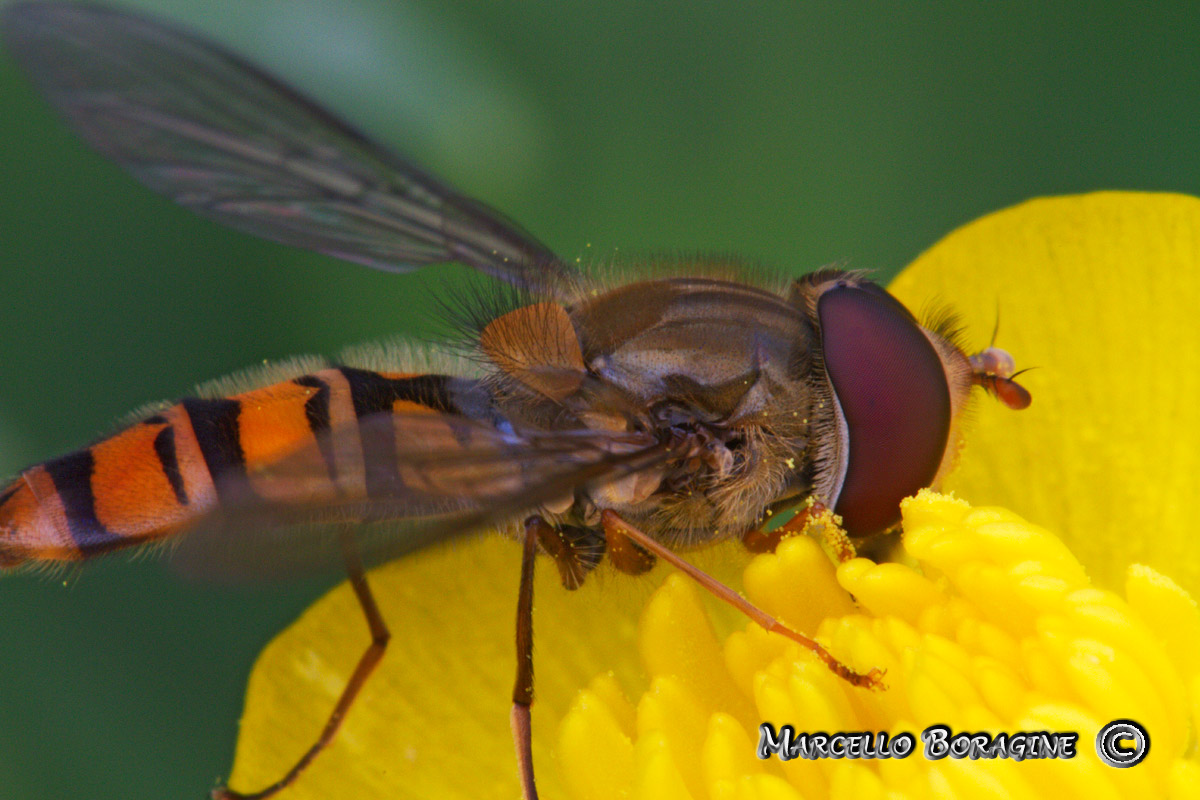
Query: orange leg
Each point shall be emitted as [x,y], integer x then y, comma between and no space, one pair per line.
[613,522]
[815,518]
[366,665]
[757,540]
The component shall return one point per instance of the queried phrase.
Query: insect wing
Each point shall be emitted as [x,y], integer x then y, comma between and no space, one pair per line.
[221,137]
[403,481]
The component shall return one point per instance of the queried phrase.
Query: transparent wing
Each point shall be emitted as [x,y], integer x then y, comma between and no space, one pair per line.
[218,135]
[401,481]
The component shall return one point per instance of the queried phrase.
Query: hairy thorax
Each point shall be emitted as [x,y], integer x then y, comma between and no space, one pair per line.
[723,368]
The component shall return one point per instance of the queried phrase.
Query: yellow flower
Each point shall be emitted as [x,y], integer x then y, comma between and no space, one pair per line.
[994,627]
[999,631]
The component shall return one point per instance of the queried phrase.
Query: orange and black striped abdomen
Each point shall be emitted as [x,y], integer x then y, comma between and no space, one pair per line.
[168,471]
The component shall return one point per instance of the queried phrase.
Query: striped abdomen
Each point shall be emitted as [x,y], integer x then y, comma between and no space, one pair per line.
[162,474]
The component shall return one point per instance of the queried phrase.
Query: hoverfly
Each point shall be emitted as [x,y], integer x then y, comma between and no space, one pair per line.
[598,419]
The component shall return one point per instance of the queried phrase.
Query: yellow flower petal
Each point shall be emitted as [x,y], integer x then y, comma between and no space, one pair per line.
[676,639]
[728,753]
[771,584]
[594,726]
[658,773]
[1100,292]
[1170,613]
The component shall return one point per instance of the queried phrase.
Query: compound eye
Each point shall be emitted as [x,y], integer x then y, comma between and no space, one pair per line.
[894,397]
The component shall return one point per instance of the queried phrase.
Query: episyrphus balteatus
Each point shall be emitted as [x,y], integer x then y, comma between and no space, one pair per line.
[595,418]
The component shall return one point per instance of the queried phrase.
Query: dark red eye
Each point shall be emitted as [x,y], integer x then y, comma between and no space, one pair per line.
[893,393]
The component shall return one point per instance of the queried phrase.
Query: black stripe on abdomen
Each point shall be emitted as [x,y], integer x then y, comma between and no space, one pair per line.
[428,390]
[72,477]
[316,411]
[373,394]
[164,448]
[215,425]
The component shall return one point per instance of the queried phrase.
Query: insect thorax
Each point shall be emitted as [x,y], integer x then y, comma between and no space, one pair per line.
[727,367]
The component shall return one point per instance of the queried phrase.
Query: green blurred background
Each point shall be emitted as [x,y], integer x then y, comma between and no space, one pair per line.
[795,134]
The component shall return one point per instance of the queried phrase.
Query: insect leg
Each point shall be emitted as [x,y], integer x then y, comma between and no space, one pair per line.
[613,522]
[366,665]
[522,695]
[815,519]
[576,550]
[757,540]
